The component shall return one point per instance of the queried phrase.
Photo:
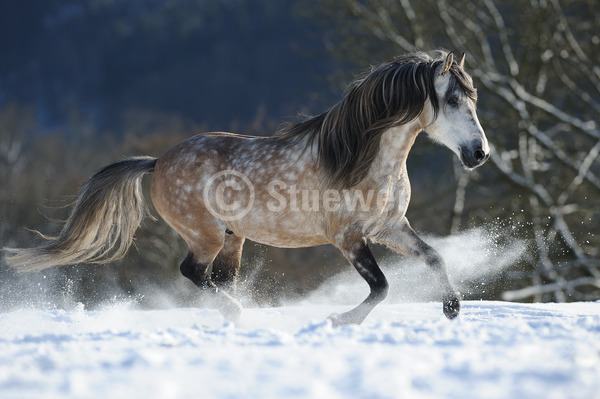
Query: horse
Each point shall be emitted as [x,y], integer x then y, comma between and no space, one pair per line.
[338,178]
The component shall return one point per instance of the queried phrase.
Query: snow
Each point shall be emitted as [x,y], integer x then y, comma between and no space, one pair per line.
[406,350]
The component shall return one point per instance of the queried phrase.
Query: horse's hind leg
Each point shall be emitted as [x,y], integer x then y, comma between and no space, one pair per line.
[404,239]
[199,269]
[358,253]
[227,263]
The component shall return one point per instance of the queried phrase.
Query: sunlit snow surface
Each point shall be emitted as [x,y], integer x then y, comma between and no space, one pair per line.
[493,350]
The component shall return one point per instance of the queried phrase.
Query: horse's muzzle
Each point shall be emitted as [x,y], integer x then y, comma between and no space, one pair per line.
[473,155]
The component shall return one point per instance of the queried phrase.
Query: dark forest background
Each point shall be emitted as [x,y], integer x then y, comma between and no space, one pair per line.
[85,83]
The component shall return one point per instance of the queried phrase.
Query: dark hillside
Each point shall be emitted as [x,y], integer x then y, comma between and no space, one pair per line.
[213,63]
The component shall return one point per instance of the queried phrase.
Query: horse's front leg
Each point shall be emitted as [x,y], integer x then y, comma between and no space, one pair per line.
[357,251]
[403,239]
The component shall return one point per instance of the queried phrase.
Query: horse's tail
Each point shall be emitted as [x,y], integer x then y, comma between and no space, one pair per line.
[101,225]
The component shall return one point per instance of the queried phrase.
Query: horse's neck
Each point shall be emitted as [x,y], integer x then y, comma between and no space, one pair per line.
[393,150]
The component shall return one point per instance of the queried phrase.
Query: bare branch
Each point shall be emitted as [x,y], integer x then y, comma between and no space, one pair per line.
[501,30]
[575,89]
[588,127]
[387,29]
[416,26]
[549,288]
[563,26]
[584,168]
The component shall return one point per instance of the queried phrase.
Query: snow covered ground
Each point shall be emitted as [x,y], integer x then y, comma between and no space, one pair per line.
[493,350]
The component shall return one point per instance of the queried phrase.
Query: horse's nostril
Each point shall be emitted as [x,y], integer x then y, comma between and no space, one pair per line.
[479,155]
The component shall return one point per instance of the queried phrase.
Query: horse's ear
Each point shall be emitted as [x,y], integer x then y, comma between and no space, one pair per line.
[447,63]
[461,62]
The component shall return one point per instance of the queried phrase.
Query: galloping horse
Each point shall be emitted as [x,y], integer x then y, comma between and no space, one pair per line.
[338,178]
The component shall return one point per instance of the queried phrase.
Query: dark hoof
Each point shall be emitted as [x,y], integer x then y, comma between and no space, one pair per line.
[451,307]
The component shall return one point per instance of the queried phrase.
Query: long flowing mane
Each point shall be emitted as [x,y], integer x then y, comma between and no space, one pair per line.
[391,94]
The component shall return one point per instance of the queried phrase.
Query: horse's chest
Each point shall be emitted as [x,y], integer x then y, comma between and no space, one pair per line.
[397,197]
[401,194]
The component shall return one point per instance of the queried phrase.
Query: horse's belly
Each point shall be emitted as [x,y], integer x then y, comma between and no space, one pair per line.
[288,241]
[285,231]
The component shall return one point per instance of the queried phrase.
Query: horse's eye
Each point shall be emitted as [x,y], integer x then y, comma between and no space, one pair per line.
[453,100]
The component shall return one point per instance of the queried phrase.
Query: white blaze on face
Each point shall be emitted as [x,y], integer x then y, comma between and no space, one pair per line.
[457,124]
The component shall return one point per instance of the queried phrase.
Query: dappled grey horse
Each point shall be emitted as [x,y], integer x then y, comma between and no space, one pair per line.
[338,178]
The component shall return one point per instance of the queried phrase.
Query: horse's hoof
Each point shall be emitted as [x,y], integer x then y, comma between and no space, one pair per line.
[335,319]
[231,311]
[345,319]
[231,315]
[451,307]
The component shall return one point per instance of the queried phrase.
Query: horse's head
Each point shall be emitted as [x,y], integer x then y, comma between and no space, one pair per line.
[456,124]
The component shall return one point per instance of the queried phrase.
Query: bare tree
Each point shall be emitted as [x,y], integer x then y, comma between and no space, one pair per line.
[537,67]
